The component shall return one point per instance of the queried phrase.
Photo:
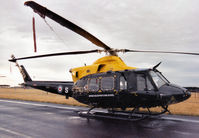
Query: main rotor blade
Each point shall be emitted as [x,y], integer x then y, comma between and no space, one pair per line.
[42,11]
[54,54]
[167,52]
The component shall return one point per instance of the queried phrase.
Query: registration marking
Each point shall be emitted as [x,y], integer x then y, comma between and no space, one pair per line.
[102,95]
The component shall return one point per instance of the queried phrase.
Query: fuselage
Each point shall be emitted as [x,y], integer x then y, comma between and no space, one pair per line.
[128,88]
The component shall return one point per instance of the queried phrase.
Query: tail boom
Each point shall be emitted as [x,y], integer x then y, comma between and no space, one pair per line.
[56,87]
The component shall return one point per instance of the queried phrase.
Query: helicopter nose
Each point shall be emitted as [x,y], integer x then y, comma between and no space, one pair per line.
[175,93]
[183,94]
[186,95]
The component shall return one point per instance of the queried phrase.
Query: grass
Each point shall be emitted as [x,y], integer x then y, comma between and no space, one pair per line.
[36,95]
[188,107]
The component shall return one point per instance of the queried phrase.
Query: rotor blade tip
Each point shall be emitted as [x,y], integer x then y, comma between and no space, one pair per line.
[28,3]
[12,60]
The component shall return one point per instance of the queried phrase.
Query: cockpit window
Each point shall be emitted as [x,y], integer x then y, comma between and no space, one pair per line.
[93,84]
[107,83]
[162,77]
[158,79]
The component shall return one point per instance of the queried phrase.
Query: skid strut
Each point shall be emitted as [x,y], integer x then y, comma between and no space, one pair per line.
[88,112]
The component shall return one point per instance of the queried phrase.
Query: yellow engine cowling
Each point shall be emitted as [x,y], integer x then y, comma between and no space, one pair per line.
[104,64]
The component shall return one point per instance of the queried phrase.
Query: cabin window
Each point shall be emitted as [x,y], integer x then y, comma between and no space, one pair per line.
[107,83]
[123,83]
[93,84]
[81,83]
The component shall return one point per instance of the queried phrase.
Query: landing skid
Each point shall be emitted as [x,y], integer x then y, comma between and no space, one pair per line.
[134,115]
[115,116]
[148,112]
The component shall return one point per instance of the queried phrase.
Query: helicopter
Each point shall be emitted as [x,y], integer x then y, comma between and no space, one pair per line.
[108,83]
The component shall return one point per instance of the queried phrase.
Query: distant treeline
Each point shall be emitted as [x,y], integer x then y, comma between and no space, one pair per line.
[192,89]
[4,86]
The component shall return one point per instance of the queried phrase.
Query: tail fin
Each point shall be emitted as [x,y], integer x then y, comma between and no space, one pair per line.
[24,73]
[22,70]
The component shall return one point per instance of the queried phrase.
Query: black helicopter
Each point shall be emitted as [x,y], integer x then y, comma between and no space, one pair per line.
[108,82]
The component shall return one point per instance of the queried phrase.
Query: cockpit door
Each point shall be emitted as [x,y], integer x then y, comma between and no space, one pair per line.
[144,83]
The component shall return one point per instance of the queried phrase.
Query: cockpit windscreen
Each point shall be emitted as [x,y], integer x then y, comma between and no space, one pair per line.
[158,79]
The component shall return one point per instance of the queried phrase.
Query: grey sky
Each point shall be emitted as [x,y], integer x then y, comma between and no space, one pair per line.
[171,25]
